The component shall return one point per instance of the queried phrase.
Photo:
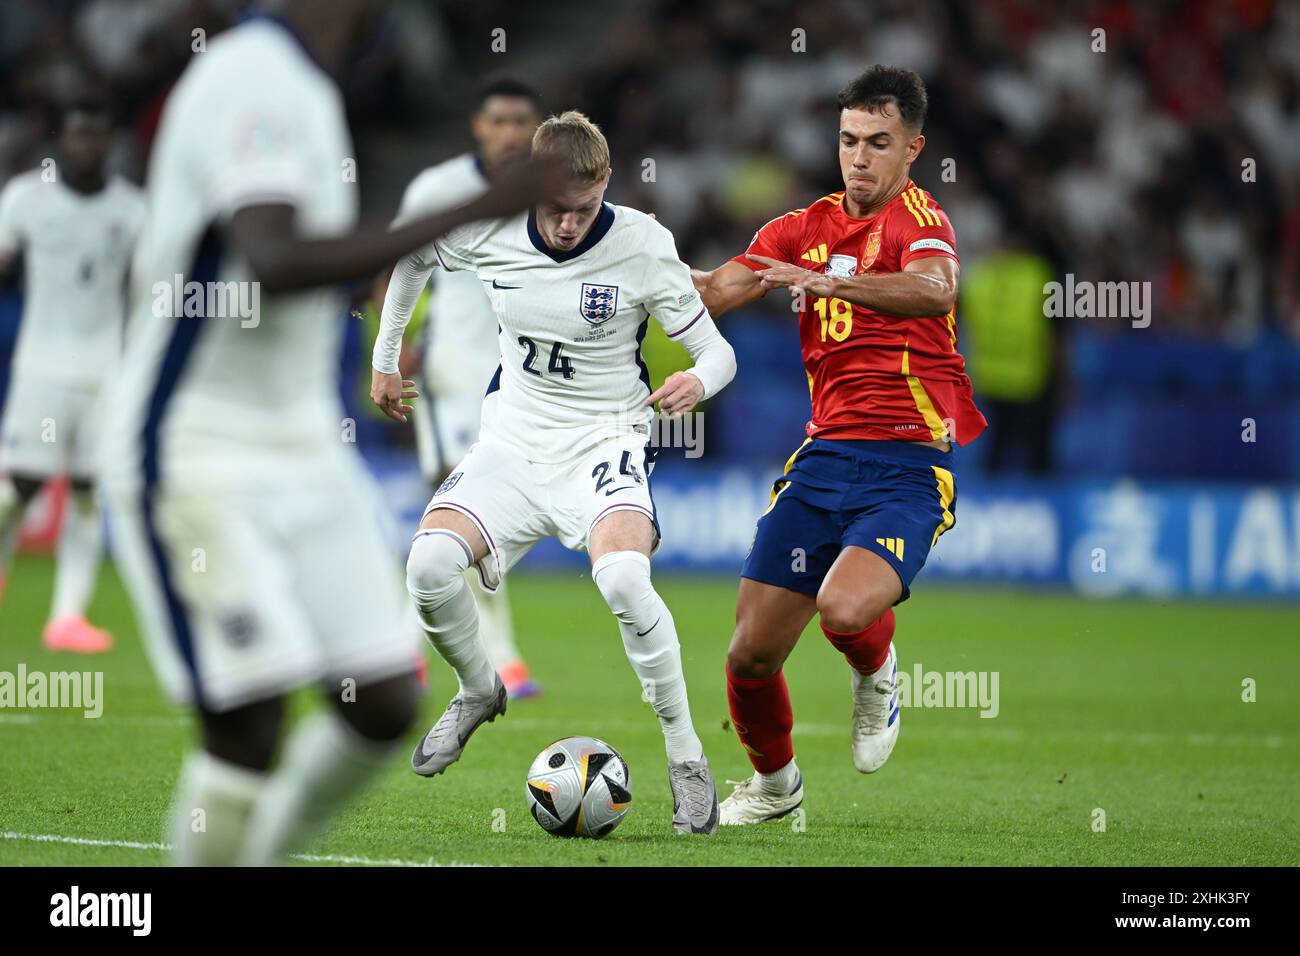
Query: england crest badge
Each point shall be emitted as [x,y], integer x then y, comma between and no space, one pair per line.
[599,302]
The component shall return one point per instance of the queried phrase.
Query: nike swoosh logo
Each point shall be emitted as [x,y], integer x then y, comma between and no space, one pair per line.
[498,285]
[650,628]
[618,489]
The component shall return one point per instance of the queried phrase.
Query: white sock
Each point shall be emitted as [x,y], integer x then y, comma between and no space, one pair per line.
[435,578]
[210,813]
[780,783]
[650,639]
[12,508]
[494,624]
[326,763]
[81,546]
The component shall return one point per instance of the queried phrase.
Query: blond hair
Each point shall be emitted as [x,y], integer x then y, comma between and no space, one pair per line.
[576,140]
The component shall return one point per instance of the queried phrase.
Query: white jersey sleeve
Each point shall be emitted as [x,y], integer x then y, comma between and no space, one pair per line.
[458,249]
[671,298]
[11,213]
[255,153]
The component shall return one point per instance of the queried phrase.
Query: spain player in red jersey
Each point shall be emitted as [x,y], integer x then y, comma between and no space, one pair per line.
[874,273]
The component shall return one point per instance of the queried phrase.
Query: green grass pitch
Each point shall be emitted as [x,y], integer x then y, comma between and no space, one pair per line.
[1132,708]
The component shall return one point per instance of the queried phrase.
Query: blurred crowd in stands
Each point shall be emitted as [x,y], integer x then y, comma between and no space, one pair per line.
[1143,141]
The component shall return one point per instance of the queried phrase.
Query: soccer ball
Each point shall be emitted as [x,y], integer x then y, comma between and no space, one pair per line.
[579,787]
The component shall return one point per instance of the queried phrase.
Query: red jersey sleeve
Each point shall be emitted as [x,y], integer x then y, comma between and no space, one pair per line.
[924,229]
[773,241]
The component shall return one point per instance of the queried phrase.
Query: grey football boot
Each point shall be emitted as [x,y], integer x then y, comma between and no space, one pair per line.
[695,798]
[443,745]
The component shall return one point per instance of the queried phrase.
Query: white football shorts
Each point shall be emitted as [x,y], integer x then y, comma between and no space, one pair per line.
[50,428]
[248,592]
[515,503]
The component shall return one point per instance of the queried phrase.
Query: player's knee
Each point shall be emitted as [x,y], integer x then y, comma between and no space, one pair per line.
[849,610]
[748,656]
[383,710]
[435,566]
[16,491]
[246,736]
[623,578]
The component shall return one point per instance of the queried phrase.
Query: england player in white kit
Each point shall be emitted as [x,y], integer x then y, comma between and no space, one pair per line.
[249,532]
[75,228]
[459,344]
[564,449]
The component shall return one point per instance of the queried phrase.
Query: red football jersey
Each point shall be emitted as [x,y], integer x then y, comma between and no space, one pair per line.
[873,375]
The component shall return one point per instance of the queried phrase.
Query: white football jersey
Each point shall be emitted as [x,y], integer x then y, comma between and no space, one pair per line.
[76,249]
[460,337]
[242,381]
[572,323]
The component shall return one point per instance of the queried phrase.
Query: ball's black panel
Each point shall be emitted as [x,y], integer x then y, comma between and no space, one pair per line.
[617,793]
[543,796]
[594,763]
[566,829]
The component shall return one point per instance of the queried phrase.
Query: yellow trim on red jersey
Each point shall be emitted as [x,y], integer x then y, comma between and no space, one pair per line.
[922,399]
[907,201]
[923,203]
[919,207]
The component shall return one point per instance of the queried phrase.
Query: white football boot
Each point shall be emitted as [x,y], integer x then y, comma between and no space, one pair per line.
[444,743]
[876,715]
[748,803]
[695,799]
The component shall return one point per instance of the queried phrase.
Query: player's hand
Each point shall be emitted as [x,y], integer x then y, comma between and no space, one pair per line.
[389,391]
[782,275]
[679,393]
[520,184]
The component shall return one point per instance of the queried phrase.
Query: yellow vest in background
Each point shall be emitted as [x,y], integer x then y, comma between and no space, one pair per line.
[1009,338]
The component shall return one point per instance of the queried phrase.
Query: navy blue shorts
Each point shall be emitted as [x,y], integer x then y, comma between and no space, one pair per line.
[891,497]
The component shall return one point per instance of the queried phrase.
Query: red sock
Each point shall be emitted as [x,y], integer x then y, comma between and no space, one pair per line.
[761,714]
[868,648]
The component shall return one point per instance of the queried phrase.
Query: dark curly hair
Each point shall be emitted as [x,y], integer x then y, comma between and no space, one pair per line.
[882,85]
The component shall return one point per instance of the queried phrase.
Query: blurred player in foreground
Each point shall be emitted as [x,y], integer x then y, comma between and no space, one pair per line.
[75,227]
[249,530]
[874,270]
[565,446]
[460,350]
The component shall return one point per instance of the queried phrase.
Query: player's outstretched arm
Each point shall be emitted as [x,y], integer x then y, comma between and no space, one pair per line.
[283,261]
[926,287]
[727,287]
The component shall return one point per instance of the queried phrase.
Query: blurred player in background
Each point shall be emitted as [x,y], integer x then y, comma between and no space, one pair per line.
[75,227]
[565,446]
[874,269]
[460,350]
[250,533]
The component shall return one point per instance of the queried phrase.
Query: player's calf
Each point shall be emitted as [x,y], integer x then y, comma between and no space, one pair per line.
[650,640]
[382,711]
[328,759]
[435,579]
[221,784]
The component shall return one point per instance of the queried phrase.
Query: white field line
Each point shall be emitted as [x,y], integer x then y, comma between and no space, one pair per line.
[346,860]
